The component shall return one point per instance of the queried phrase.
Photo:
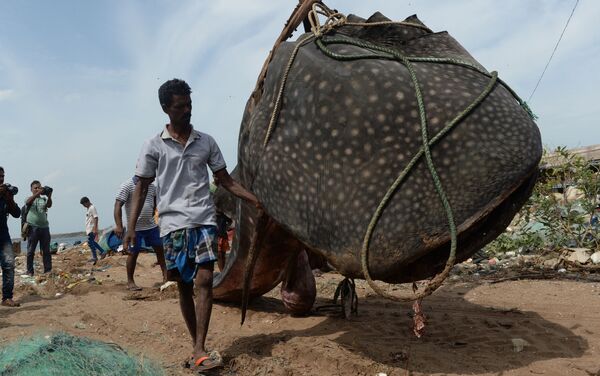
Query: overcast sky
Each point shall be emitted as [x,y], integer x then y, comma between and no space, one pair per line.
[78,79]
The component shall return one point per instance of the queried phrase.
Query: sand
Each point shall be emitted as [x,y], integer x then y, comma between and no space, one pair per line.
[542,327]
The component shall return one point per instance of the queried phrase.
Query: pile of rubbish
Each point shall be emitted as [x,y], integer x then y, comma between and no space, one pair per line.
[499,265]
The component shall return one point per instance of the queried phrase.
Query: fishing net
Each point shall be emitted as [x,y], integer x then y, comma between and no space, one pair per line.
[66,355]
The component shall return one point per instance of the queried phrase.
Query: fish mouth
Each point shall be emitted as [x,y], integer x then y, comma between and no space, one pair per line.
[479,230]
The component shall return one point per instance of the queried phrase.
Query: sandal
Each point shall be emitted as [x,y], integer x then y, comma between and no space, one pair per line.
[206,362]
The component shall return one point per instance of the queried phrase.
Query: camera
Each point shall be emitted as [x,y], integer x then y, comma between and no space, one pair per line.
[46,190]
[12,189]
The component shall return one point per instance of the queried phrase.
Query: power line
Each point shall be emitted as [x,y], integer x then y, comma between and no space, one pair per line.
[554,51]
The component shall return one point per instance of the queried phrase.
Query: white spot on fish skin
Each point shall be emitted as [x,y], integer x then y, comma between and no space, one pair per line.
[324,110]
[366,173]
[337,88]
[322,85]
[367,148]
[356,111]
[307,77]
[325,144]
[348,101]
[318,157]
[308,144]
[381,161]
[334,133]
[381,118]
[348,151]
[354,132]
[373,98]
[310,97]
[399,95]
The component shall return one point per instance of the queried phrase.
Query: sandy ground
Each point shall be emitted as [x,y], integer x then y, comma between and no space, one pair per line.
[470,330]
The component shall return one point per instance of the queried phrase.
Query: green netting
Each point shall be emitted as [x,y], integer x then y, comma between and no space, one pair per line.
[66,355]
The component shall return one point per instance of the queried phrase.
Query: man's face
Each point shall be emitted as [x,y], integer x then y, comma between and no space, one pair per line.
[35,188]
[180,110]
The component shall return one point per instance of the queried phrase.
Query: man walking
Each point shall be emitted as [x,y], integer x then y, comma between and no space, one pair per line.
[91,228]
[39,231]
[7,255]
[177,158]
[146,229]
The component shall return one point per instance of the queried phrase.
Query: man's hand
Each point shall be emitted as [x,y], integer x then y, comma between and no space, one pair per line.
[129,240]
[119,231]
[223,179]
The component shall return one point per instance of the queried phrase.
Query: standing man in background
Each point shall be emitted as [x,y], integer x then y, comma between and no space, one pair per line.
[91,228]
[146,229]
[7,255]
[39,231]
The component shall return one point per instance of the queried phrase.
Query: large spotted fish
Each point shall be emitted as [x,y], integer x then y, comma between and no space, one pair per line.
[345,130]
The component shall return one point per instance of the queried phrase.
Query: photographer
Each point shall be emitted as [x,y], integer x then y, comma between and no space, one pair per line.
[7,256]
[37,220]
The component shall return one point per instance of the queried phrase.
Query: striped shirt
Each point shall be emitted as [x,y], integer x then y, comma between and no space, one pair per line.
[146,218]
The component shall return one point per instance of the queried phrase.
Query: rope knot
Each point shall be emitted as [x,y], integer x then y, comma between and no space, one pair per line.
[333,19]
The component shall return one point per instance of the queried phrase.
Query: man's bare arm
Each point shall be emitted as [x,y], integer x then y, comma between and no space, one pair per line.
[49,201]
[118,214]
[225,180]
[139,197]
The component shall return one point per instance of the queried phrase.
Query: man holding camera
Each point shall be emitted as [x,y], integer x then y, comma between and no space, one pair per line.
[37,220]
[7,255]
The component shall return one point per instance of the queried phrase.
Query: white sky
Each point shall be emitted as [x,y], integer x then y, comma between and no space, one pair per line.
[78,79]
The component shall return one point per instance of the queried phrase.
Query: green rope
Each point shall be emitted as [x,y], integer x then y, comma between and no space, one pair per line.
[390,54]
[425,150]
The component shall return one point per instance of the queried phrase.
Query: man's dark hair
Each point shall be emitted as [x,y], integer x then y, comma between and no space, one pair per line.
[34,182]
[84,200]
[170,88]
[1,168]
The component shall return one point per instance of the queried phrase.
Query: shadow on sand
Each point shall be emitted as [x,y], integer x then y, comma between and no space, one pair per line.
[471,335]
